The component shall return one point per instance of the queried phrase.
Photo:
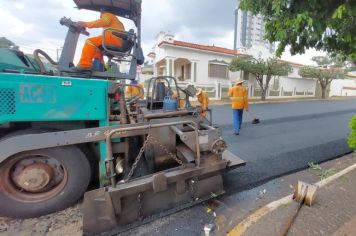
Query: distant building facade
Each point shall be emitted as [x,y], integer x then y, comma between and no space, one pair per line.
[207,67]
[250,31]
[343,87]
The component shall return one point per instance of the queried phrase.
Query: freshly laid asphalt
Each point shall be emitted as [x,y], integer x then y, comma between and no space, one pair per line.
[289,136]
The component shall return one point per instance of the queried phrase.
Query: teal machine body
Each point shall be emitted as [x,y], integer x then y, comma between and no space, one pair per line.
[61,101]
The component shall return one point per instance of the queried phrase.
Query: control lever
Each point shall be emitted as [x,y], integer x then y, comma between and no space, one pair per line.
[73,25]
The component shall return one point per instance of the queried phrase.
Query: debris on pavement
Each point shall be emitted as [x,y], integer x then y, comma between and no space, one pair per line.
[208,228]
[261,194]
[67,222]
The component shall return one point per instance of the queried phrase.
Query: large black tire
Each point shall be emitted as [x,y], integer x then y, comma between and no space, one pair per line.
[78,170]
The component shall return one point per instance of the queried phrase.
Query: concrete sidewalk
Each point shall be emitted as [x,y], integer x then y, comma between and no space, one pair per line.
[332,213]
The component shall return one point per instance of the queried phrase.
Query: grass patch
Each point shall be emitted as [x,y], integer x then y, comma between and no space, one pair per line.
[321,173]
[344,178]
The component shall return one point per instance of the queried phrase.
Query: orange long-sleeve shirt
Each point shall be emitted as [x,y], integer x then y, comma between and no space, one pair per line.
[134,91]
[203,99]
[107,20]
[239,97]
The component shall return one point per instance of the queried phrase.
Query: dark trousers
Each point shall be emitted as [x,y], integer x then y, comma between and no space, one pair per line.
[237,116]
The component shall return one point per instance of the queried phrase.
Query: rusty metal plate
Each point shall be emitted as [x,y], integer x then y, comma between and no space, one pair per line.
[159,183]
[233,160]
[141,204]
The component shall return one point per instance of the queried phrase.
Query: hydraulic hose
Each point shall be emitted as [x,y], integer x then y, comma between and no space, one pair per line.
[136,97]
[36,55]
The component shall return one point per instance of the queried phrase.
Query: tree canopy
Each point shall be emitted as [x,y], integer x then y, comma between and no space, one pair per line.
[259,68]
[271,66]
[327,25]
[6,43]
[326,71]
[327,74]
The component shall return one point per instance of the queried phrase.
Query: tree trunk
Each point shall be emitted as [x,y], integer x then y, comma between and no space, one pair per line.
[265,88]
[324,86]
[260,83]
[263,94]
[323,92]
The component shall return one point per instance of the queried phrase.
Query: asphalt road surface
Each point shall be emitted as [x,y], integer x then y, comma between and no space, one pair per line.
[289,136]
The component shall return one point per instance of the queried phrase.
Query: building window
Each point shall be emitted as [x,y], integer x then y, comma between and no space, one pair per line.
[218,71]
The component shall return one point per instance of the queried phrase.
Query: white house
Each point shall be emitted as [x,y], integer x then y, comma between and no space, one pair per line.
[204,66]
[343,87]
[292,85]
[207,68]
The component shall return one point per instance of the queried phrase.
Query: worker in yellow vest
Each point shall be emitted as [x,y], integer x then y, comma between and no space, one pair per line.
[133,90]
[203,99]
[239,101]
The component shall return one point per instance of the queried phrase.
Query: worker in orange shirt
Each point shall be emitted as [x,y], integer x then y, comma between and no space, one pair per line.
[239,101]
[133,91]
[91,49]
[203,99]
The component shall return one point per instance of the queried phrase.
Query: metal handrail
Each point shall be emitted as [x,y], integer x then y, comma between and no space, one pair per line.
[154,79]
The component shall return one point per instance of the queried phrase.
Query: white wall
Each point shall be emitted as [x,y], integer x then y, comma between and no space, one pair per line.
[291,83]
[297,85]
[343,87]
[295,72]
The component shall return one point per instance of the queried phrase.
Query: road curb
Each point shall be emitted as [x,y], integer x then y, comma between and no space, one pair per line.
[280,100]
[244,225]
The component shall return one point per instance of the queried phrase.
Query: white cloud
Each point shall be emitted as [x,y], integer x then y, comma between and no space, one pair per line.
[35,24]
[12,25]
[305,59]
[19,6]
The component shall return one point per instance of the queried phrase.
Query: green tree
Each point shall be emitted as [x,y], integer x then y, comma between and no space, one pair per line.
[263,70]
[326,71]
[325,25]
[352,137]
[5,43]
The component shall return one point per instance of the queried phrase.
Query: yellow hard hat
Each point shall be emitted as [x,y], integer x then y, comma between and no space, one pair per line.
[199,91]
[239,81]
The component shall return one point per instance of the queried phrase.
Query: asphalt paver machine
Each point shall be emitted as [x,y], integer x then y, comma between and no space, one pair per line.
[66,133]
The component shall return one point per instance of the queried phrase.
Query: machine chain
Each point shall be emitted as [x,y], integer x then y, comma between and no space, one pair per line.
[151,139]
[164,148]
[138,158]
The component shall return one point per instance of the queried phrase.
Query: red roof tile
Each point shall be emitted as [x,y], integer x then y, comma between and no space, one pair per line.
[151,54]
[292,63]
[202,47]
[349,88]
